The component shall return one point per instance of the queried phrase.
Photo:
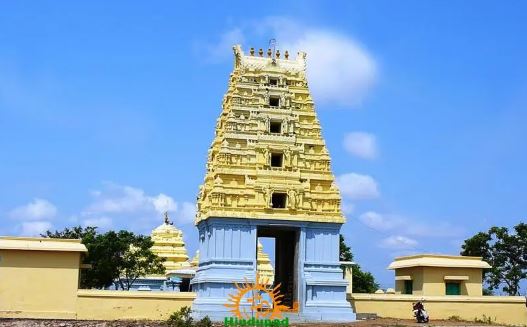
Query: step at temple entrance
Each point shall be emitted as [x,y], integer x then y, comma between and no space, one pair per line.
[268,175]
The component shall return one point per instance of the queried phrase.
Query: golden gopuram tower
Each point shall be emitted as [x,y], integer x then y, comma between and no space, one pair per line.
[268,152]
[268,174]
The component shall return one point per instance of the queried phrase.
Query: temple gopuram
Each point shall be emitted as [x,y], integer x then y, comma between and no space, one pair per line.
[169,245]
[268,175]
[264,266]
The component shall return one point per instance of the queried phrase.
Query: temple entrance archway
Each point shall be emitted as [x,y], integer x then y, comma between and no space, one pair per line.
[285,260]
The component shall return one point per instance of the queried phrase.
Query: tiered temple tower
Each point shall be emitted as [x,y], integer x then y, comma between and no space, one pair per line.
[268,175]
[169,244]
[263,266]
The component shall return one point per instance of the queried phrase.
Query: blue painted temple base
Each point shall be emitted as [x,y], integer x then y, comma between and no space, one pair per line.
[306,265]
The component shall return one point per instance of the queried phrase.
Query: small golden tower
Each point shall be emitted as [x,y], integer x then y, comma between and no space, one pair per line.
[169,244]
[264,267]
[195,261]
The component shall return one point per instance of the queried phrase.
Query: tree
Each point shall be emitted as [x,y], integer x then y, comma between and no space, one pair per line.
[363,281]
[85,234]
[121,256]
[138,260]
[505,252]
[345,250]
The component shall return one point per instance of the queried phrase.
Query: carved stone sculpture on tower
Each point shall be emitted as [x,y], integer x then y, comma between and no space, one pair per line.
[303,155]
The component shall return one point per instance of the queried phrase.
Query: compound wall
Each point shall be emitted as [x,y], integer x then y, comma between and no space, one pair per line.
[115,305]
[500,309]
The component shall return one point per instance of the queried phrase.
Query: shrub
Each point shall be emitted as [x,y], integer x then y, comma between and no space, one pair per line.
[205,322]
[180,318]
[485,320]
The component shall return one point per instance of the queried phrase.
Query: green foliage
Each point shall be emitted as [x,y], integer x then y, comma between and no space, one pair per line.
[487,291]
[113,255]
[137,259]
[86,234]
[345,250]
[180,318]
[505,252]
[363,281]
[205,322]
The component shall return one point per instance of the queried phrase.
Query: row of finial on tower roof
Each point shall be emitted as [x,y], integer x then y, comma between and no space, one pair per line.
[270,53]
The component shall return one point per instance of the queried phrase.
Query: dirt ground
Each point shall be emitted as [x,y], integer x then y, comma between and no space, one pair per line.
[380,322]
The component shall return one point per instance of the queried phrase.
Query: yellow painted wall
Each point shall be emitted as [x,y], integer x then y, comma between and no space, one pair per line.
[43,284]
[38,284]
[501,309]
[430,280]
[417,277]
[434,282]
[114,305]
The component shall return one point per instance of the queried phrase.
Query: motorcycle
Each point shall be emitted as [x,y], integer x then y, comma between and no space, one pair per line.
[419,312]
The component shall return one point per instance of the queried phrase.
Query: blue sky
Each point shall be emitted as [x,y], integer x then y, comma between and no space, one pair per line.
[107,111]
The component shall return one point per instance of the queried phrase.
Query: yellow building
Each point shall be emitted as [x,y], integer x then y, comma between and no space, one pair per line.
[432,274]
[39,277]
[169,244]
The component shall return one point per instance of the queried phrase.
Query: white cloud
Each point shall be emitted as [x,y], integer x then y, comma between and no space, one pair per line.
[379,221]
[34,210]
[118,199]
[357,186]
[223,48]
[340,69]
[101,222]
[121,199]
[116,204]
[398,242]
[35,228]
[435,229]
[163,203]
[361,144]
[407,226]
[187,213]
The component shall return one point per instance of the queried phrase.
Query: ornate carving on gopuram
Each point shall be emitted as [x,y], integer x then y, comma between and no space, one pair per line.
[268,141]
